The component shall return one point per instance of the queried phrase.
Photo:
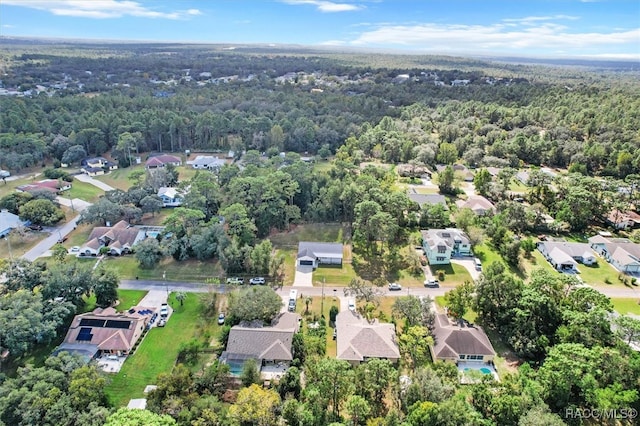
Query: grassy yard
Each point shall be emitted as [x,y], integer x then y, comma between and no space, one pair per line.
[9,187]
[454,274]
[327,232]
[334,275]
[536,260]
[626,306]
[84,191]
[129,298]
[16,245]
[158,351]
[600,274]
[120,178]
[487,255]
[188,270]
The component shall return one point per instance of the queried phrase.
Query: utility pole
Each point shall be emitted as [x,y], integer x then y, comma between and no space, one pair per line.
[164,277]
[322,300]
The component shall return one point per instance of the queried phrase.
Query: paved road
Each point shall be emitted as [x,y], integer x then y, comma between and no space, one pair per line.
[56,233]
[94,182]
[328,291]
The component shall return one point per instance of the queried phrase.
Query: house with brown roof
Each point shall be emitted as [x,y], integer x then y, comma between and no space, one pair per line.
[478,204]
[119,238]
[623,219]
[460,342]
[358,340]
[268,346]
[160,161]
[106,331]
[54,186]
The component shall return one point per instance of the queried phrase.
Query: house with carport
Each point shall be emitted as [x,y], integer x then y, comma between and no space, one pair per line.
[314,254]
[621,253]
[565,256]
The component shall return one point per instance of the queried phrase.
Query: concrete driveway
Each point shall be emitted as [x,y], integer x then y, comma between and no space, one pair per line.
[154,300]
[98,184]
[303,277]
[77,204]
[469,265]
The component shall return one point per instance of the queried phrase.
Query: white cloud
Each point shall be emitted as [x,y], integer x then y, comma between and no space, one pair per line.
[100,9]
[326,6]
[536,36]
[534,19]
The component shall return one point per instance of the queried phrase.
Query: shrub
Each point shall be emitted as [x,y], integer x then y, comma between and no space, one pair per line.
[441,274]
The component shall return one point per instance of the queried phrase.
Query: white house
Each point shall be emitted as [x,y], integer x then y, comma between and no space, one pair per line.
[440,245]
[564,256]
[314,254]
[171,197]
[623,254]
[207,162]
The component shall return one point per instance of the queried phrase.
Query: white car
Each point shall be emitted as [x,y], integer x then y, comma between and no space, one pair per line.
[431,283]
[257,280]
[74,249]
[221,319]
[164,310]
[394,286]
[352,305]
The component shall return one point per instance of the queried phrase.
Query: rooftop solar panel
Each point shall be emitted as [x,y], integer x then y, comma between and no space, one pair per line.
[84,334]
[118,324]
[91,322]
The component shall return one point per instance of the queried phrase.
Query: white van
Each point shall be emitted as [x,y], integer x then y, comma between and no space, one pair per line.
[478,264]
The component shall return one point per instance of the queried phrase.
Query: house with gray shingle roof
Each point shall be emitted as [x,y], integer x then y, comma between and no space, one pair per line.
[564,256]
[314,254]
[622,253]
[266,345]
[9,221]
[427,200]
[359,340]
[460,342]
[439,245]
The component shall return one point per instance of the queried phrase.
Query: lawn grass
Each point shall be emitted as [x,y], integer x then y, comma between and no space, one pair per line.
[156,219]
[334,275]
[600,274]
[488,254]
[129,298]
[323,166]
[289,264]
[534,261]
[120,178]
[187,270]
[78,236]
[626,306]
[158,351]
[470,316]
[9,187]
[325,232]
[14,245]
[454,274]
[84,191]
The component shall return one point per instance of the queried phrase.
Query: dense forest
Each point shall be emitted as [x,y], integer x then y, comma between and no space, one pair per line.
[273,108]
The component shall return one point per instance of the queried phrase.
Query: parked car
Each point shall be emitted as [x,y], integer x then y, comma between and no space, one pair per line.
[221,319]
[74,249]
[235,280]
[162,322]
[62,239]
[352,305]
[477,264]
[394,286]
[35,227]
[164,310]
[431,283]
[335,333]
[257,280]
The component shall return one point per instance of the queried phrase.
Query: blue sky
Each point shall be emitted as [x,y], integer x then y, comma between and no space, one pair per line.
[542,28]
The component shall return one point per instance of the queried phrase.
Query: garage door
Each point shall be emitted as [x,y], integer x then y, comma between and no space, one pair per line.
[306,263]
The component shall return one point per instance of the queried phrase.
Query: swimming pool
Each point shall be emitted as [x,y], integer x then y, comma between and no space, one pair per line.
[152,234]
[483,370]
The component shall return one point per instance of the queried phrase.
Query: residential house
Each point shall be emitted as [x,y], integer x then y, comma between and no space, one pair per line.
[314,254]
[106,331]
[427,200]
[171,197]
[359,340]
[564,256]
[479,204]
[623,220]
[268,346]
[523,177]
[459,169]
[100,162]
[440,245]
[413,170]
[55,186]
[623,254]
[92,171]
[460,342]
[119,239]
[160,161]
[9,221]
[207,162]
